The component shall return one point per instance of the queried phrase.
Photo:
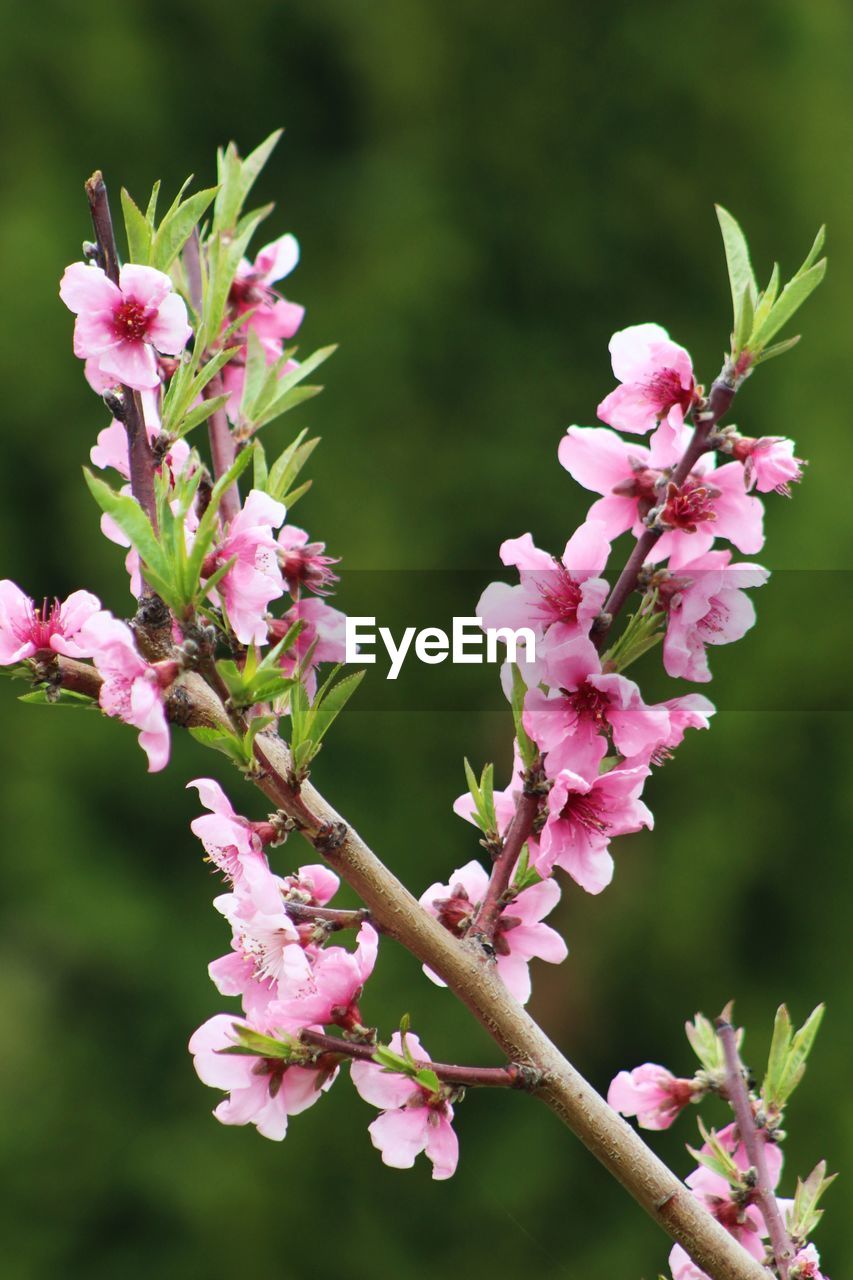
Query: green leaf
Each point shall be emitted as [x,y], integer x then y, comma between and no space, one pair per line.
[804,1215]
[766,300]
[287,466]
[151,211]
[138,231]
[332,704]
[264,1046]
[811,257]
[236,179]
[134,523]
[527,747]
[177,227]
[745,321]
[207,527]
[741,276]
[428,1079]
[787,1060]
[777,350]
[792,297]
[705,1043]
[48,696]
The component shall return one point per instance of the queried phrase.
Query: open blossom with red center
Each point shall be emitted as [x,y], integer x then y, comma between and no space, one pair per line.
[806,1265]
[652,1094]
[413,1119]
[261,1091]
[52,627]
[323,985]
[712,502]
[583,817]
[568,590]
[706,603]
[573,722]
[120,327]
[657,383]
[131,688]
[769,464]
[520,936]
[740,1217]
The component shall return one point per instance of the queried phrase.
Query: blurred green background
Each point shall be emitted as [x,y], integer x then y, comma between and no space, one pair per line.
[482,194]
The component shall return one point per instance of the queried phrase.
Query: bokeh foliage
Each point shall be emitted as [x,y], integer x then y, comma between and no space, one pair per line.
[482,194]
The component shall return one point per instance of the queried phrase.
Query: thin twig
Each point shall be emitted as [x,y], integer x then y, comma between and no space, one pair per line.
[511,1077]
[739,1101]
[518,833]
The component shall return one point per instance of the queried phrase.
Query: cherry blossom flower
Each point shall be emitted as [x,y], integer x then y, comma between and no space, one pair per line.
[690,711]
[519,935]
[657,383]
[326,987]
[131,689]
[583,817]
[569,591]
[53,627]
[705,603]
[652,1094]
[769,463]
[255,579]
[744,1221]
[120,326]
[323,636]
[314,885]
[234,847]
[712,502]
[261,1091]
[413,1119]
[805,1265]
[273,319]
[570,722]
[305,564]
[682,1267]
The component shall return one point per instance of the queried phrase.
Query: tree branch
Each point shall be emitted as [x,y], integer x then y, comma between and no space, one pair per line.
[511,1077]
[518,833]
[332,919]
[464,967]
[780,1241]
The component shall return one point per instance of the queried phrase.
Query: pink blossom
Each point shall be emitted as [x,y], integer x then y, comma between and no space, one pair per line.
[255,579]
[744,1222]
[53,627]
[261,1091]
[519,936]
[657,382]
[769,463]
[682,1267]
[706,603]
[413,1119]
[120,326]
[712,503]
[323,635]
[569,591]
[806,1265]
[690,711]
[652,1094]
[273,317]
[314,885]
[583,817]
[234,847]
[326,987]
[584,705]
[303,563]
[131,688]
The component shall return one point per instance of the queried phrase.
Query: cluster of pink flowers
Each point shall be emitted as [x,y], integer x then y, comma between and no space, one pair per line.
[598,738]
[289,980]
